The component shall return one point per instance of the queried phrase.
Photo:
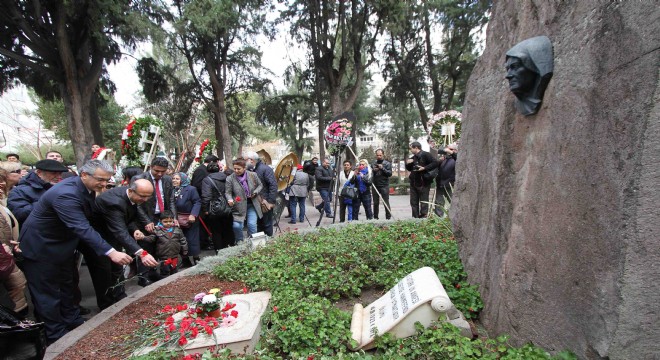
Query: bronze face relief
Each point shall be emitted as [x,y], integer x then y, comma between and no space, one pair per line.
[529,66]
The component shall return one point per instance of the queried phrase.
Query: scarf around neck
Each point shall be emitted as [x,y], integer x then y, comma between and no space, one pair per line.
[243,180]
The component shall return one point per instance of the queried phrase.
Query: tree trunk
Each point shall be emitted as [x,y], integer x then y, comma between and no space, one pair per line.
[77,108]
[95,123]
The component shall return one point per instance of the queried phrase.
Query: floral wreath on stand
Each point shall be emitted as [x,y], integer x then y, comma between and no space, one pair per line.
[130,140]
[207,143]
[444,128]
[338,133]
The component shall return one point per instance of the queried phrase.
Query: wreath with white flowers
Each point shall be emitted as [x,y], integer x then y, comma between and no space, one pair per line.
[444,127]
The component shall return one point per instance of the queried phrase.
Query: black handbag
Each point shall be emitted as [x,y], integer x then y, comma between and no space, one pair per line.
[218,207]
[20,339]
[349,191]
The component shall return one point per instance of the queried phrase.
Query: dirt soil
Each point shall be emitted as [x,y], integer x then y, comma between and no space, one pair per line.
[98,343]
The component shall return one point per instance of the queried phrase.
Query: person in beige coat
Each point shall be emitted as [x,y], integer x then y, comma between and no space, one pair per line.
[241,190]
[15,283]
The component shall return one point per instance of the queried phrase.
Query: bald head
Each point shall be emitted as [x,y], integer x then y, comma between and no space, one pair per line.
[140,191]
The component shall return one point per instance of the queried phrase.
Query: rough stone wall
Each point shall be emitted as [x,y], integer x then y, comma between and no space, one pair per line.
[556,214]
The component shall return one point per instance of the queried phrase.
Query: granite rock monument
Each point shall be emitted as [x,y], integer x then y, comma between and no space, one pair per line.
[556,213]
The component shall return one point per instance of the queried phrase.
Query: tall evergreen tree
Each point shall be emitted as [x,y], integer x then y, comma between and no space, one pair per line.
[59,48]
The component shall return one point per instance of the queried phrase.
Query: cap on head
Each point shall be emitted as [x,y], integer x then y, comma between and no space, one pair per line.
[50,165]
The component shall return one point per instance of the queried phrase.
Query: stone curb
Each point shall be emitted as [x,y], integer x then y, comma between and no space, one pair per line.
[75,335]
[204,266]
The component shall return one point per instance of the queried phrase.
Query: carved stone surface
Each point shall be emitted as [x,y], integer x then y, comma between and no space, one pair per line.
[557,214]
[419,297]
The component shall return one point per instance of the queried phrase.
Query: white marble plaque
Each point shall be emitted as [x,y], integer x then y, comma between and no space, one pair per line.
[418,297]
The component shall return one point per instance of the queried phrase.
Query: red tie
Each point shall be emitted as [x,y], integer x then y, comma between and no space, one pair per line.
[159,198]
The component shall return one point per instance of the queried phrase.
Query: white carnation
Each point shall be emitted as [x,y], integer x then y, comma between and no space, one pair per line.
[209,299]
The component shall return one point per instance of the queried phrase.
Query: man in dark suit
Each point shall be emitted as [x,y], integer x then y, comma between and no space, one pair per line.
[51,233]
[115,218]
[149,211]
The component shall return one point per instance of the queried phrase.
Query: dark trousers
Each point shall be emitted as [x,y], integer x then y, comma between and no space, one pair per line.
[51,288]
[342,209]
[204,239]
[385,193]
[294,202]
[365,200]
[105,275]
[442,192]
[265,224]
[419,201]
[326,195]
[222,233]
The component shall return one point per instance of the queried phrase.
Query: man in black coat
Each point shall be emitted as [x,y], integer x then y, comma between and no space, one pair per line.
[51,233]
[115,218]
[149,211]
[198,176]
[382,170]
[444,182]
[421,166]
[324,176]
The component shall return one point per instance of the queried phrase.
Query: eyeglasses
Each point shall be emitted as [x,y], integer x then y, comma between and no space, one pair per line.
[100,179]
[15,171]
[109,186]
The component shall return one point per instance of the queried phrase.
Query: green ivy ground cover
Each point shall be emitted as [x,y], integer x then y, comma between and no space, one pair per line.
[307,273]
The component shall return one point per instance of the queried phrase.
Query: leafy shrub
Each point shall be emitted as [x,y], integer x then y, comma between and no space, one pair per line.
[306,273]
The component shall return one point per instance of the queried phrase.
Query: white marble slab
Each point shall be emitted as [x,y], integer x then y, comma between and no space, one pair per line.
[240,338]
[419,297]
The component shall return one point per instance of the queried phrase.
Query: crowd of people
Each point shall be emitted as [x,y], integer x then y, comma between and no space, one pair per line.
[155,222]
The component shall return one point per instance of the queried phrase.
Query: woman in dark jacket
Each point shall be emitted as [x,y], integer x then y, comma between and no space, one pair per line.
[188,202]
[213,187]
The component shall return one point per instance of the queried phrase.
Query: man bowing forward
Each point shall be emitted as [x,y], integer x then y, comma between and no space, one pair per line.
[48,239]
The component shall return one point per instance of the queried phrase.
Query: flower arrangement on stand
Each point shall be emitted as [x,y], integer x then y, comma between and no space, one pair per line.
[338,133]
[444,127]
[130,140]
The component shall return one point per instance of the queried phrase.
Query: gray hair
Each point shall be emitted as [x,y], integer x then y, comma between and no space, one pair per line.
[91,166]
[251,155]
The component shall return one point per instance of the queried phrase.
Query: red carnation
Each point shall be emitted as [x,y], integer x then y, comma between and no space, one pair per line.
[183,340]
[234,313]
[238,199]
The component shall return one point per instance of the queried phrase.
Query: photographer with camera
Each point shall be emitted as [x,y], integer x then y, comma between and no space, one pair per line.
[423,169]
[444,182]
[382,170]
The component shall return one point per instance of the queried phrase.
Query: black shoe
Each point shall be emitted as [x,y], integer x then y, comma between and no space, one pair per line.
[329,215]
[84,311]
[144,282]
[75,324]
[292,222]
[185,262]
[320,209]
[301,220]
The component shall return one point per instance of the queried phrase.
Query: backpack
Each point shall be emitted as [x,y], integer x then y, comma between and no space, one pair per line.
[218,207]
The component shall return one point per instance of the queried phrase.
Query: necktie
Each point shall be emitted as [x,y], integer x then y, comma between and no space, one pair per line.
[159,198]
